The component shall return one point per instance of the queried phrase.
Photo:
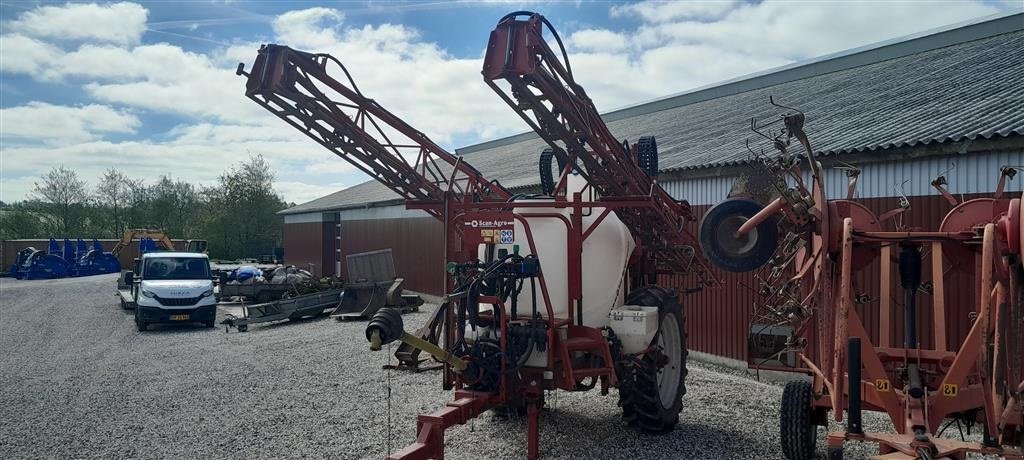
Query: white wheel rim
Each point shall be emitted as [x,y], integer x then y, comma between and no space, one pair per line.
[671,344]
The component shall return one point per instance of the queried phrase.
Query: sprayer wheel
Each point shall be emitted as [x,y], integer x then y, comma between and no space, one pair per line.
[651,397]
[797,430]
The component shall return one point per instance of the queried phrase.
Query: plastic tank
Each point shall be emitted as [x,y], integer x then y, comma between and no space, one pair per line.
[606,252]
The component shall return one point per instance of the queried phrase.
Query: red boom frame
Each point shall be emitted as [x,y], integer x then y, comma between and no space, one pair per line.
[544,93]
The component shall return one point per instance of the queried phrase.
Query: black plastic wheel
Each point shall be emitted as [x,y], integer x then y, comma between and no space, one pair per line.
[647,155]
[650,399]
[547,178]
[797,430]
[733,253]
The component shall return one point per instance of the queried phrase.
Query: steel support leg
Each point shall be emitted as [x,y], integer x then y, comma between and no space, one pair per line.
[533,432]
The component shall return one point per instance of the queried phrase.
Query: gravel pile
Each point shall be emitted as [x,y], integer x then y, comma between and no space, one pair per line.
[79,381]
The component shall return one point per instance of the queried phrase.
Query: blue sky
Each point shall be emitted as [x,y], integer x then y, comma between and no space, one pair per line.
[149,87]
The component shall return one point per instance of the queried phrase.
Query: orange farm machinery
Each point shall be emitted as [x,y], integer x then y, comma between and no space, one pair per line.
[809,284]
[545,292]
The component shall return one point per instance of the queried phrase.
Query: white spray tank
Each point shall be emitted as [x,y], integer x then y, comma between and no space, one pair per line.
[606,252]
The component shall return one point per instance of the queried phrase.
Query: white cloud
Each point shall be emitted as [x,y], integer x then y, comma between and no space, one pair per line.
[122,23]
[667,11]
[55,124]
[598,40]
[21,54]
[311,28]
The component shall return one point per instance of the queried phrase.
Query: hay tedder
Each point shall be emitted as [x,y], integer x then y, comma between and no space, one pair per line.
[545,292]
[808,284]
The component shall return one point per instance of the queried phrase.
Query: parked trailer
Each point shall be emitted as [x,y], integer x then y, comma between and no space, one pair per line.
[258,292]
[285,309]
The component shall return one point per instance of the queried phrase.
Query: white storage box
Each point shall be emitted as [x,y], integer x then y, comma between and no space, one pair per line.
[634,325]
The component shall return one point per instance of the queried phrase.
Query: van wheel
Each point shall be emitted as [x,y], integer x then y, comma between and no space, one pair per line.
[139,323]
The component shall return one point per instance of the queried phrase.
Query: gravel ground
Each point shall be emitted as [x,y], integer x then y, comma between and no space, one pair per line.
[79,381]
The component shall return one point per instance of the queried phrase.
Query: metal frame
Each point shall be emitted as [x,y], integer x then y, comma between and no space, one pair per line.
[917,387]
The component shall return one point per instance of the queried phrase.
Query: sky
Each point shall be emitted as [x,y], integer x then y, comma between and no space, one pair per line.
[150,87]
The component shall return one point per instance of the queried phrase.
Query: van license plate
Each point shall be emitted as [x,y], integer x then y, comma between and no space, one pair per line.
[179,317]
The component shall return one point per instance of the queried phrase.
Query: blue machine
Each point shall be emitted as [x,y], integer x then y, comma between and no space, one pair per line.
[69,261]
[95,261]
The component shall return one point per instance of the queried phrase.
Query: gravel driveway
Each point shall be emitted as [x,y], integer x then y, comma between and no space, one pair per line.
[79,381]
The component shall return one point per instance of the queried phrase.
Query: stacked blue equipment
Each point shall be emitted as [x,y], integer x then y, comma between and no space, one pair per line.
[70,261]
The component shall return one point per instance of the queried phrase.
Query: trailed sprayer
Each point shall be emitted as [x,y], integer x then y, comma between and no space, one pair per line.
[549,291]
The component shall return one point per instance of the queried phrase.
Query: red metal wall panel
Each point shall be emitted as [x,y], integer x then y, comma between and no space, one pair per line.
[304,246]
[417,245]
[718,319]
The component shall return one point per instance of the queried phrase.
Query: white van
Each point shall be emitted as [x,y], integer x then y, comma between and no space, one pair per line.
[174,287]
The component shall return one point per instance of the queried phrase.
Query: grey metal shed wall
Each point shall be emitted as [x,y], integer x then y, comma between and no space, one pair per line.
[974,173]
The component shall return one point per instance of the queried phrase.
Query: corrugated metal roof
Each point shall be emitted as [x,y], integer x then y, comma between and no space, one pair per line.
[923,89]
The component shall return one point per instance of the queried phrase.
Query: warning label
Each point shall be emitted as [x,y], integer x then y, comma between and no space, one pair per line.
[493,236]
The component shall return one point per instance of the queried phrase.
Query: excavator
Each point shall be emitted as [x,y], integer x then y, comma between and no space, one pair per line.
[158,237]
[549,291]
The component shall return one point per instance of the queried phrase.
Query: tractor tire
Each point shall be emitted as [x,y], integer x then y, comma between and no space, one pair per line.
[647,155]
[651,396]
[548,180]
[797,430]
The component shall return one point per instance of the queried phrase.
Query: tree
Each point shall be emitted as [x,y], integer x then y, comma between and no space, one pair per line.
[65,193]
[113,194]
[242,208]
[19,222]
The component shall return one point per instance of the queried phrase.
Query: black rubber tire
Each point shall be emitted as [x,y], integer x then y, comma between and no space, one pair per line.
[210,323]
[647,155]
[141,326]
[797,430]
[547,177]
[716,241]
[639,398]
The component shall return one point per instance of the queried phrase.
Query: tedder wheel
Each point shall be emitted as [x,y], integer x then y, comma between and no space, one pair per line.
[729,251]
[652,397]
[797,430]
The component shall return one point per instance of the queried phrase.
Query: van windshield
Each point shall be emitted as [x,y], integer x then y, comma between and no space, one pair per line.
[176,268]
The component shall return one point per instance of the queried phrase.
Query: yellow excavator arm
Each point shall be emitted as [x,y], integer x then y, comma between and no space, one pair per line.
[129,235]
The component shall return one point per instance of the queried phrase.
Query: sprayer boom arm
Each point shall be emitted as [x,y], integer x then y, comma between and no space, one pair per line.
[541,89]
[296,87]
